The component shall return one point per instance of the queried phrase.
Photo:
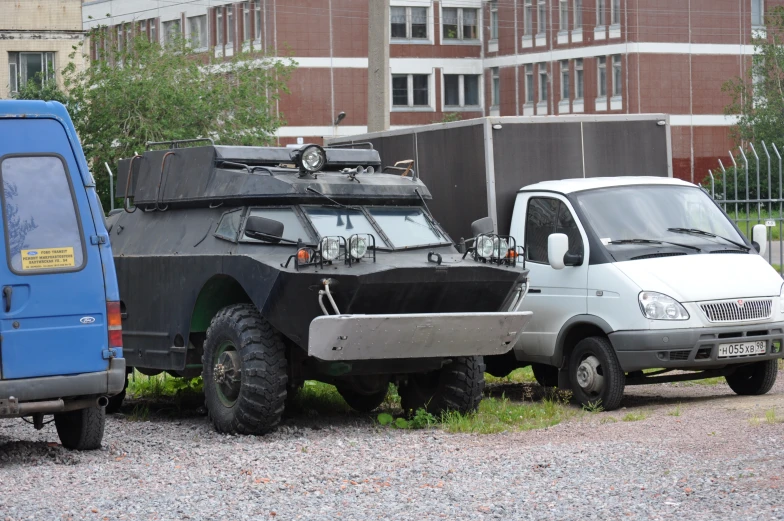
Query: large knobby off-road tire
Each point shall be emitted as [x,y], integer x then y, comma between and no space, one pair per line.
[244,372]
[116,401]
[754,379]
[546,375]
[81,429]
[595,374]
[364,393]
[455,387]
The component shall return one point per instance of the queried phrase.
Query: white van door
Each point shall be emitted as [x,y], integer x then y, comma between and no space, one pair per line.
[555,296]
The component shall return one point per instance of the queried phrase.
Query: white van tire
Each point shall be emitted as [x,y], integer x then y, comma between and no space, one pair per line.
[754,379]
[81,429]
[595,374]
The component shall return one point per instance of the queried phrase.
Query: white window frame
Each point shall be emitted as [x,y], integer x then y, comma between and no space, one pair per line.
[495,87]
[13,75]
[410,107]
[494,21]
[579,79]
[577,19]
[247,14]
[761,21]
[231,25]
[563,16]
[461,93]
[565,94]
[543,78]
[461,40]
[601,13]
[541,21]
[528,19]
[257,20]
[220,32]
[205,39]
[154,35]
[601,65]
[166,26]
[615,12]
[409,19]
[530,85]
[16,79]
[617,78]
[120,37]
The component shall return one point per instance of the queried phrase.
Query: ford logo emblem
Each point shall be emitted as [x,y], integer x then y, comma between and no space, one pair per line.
[87,320]
[31,253]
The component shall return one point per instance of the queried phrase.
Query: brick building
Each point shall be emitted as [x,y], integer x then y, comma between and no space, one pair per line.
[36,39]
[480,57]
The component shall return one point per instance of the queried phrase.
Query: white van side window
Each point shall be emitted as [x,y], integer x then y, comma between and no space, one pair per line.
[42,229]
[544,217]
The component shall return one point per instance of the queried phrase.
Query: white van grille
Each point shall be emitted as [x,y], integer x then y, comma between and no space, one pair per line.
[738,310]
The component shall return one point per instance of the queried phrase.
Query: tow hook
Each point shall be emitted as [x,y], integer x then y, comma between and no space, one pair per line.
[325,291]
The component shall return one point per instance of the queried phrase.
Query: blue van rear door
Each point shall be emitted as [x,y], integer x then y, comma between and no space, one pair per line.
[52,315]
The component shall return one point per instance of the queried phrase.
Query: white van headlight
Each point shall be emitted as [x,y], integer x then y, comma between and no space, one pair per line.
[658,306]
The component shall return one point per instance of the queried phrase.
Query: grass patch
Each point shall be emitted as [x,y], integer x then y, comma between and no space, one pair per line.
[742,217]
[676,411]
[770,417]
[140,413]
[524,375]
[501,414]
[608,419]
[634,417]
[705,381]
[593,407]
[319,397]
[161,385]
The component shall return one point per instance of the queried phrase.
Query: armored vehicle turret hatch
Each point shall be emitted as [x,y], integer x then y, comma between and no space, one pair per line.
[262,267]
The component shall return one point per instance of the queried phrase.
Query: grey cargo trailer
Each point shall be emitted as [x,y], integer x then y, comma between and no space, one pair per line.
[475,167]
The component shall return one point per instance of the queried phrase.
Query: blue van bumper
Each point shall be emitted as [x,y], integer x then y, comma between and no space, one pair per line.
[16,395]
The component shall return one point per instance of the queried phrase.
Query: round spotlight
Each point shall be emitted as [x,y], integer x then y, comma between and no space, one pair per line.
[310,158]
[484,246]
[358,247]
[330,248]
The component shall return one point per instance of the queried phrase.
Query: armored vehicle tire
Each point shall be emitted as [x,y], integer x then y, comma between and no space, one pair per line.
[546,375]
[455,387]
[81,429]
[116,401]
[595,374]
[244,372]
[754,379]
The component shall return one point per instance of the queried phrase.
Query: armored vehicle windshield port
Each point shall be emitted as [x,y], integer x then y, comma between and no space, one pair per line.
[259,268]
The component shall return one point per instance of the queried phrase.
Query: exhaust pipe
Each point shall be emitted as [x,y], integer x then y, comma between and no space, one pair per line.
[57,406]
[102,401]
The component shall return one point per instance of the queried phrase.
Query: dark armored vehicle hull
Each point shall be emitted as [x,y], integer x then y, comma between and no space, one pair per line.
[185,261]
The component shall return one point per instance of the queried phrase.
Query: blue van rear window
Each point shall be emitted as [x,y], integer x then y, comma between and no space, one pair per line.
[41,225]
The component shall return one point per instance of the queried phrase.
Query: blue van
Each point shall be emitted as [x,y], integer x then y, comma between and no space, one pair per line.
[60,325]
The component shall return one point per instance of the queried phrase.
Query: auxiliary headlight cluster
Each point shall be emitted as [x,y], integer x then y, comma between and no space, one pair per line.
[334,248]
[498,249]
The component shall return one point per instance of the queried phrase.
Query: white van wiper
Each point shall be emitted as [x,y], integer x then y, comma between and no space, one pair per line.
[707,234]
[651,241]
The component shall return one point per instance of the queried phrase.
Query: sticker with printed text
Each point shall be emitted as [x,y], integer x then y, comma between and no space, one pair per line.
[48,258]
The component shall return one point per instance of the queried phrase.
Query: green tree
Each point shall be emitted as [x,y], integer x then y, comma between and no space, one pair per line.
[145,92]
[759,96]
[42,89]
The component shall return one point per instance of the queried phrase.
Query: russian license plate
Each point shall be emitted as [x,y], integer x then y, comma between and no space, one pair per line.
[743,349]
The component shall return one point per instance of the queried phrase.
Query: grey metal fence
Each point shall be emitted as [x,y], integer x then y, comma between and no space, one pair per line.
[750,192]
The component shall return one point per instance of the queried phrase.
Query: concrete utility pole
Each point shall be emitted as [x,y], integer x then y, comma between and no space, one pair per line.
[378,65]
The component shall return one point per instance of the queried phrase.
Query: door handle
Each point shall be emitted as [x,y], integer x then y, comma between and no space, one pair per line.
[7,292]
[532,290]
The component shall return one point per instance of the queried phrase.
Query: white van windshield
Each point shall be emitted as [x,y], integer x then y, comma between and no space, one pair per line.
[664,213]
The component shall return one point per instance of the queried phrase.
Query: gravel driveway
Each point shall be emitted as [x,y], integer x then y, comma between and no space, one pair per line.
[713,461]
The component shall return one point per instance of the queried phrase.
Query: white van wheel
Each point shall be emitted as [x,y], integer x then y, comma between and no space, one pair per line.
[595,374]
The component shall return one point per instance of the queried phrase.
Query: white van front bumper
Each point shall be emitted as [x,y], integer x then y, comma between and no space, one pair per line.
[694,348]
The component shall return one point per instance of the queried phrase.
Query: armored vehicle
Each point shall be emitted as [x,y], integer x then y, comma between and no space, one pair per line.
[262,267]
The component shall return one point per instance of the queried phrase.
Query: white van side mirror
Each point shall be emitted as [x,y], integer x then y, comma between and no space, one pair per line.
[557,246]
[759,238]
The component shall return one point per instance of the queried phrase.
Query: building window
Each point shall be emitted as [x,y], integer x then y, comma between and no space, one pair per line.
[246,34]
[220,29]
[229,24]
[461,90]
[528,18]
[529,84]
[460,23]
[757,13]
[615,12]
[578,14]
[410,90]
[494,20]
[171,30]
[256,4]
[541,18]
[602,77]
[496,84]
[154,31]
[143,27]
[600,13]
[197,25]
[120,38]
[542,83]
[617,87]
[564,16]
[579,85]
[30,66]
[565,80]
[409,23]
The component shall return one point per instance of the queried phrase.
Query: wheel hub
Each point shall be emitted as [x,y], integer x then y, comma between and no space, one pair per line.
[227,373]
[589,376]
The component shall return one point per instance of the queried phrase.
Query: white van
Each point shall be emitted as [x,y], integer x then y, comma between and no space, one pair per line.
[631,274]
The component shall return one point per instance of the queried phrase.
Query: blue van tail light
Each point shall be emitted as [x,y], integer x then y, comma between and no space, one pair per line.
[115,324]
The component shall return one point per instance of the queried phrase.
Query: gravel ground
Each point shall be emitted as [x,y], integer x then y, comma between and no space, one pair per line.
[713,461]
